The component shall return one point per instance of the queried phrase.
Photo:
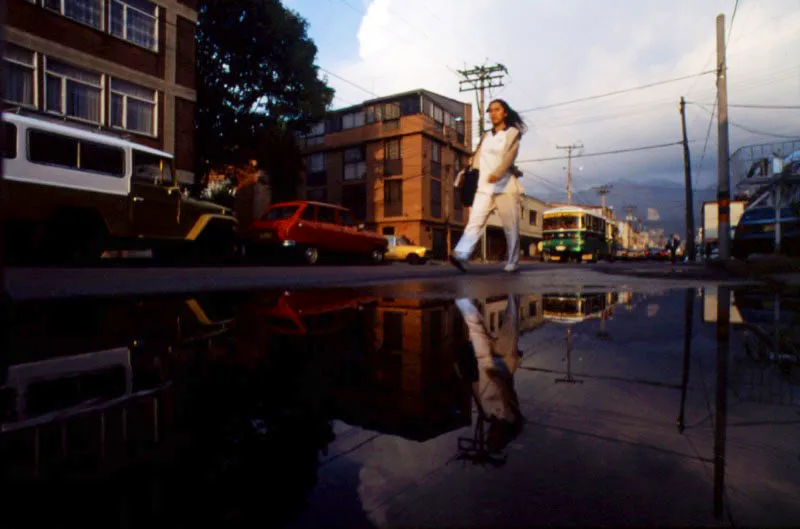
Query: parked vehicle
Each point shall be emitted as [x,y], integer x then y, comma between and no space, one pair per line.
[313,230]
[656,254]
[401,249]
[69,194]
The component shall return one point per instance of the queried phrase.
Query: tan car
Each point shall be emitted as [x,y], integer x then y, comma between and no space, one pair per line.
[69,194]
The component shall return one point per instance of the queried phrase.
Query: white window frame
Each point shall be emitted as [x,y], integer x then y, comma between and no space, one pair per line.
[63,81]
[63,12]
[124,36]
[35,69]
[153,133]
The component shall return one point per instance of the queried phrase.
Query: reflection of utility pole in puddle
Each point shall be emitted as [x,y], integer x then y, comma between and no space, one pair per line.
[688,308]
[721,415]
[569,378]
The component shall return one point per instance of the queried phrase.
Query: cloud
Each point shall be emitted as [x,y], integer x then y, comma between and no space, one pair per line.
[557,51]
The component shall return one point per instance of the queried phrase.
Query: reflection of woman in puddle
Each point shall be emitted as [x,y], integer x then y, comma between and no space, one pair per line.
[491,371]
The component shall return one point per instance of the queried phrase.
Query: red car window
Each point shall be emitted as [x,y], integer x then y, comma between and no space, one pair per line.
[310,213]
[346,219]
[326,215]
[280,213]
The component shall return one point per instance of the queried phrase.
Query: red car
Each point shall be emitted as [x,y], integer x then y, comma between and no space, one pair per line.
[314,230]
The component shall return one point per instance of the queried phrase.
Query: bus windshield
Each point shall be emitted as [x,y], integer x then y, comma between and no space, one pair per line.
[562,222]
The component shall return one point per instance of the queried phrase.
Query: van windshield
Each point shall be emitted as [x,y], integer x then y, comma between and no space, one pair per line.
[151,168]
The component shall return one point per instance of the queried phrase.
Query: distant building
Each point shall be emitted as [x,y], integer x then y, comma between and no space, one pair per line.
[530,230]
[126,66]
[392,161]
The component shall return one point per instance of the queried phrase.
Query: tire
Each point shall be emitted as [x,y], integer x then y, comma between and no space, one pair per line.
[75,240]
[377,256]
[413,259]
[311,255]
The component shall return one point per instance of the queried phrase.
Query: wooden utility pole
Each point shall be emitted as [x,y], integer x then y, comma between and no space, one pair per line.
[603,190]
[569,149]
[477,80]
[723,153]
[687,172]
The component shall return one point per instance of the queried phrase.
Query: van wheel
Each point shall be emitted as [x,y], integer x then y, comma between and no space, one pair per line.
[377,256]
[75,240]
[413,259]
[311,255]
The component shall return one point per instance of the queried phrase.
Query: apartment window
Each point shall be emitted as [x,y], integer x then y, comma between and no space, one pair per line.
[438,115]
[73,91]
[393,198]
[458,207]
[354,198]
[54,149]
[436,198]
[391,111]
[316,162]
[533,217]
[436,152]
[316,135]
[19,67]
[373,114]
[89,12]
[317,195]
[393,149]
[353,120]
[133,107]
[135,21]
[355,168]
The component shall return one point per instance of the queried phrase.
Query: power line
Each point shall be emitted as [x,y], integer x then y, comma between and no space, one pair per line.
[767,107]
[618,151]
[347,81]
[733,18]
[705,145]
[616,92]
[753,131]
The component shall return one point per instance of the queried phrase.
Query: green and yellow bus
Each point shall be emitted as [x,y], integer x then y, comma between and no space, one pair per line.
[573,233]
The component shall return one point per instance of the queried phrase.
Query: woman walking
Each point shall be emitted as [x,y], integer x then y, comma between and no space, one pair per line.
[498,187]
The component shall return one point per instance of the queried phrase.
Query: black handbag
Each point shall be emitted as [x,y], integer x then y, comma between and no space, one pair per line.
[469,186]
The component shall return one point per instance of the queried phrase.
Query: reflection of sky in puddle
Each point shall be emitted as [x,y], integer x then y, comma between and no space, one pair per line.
[620,405]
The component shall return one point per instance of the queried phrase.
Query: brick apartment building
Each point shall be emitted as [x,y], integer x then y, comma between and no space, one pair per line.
[392,161]
[125,66]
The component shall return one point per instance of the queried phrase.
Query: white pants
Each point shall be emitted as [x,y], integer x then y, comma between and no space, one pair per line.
[507,205]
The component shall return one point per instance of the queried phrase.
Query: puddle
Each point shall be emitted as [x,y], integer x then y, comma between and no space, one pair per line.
[349,408]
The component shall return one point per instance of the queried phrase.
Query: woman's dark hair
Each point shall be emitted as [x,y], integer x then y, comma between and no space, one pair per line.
[513,119]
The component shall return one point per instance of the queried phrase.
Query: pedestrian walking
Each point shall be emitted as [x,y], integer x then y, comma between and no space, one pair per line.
[498,186]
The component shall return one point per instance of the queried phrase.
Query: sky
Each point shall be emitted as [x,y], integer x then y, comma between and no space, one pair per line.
[570,49]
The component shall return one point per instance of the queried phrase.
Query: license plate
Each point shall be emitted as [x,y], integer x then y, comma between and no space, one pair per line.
[267,235]
[561,248]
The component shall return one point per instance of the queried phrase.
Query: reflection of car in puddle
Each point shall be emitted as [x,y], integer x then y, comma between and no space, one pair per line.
[311,313]
[569,308]
[770,321]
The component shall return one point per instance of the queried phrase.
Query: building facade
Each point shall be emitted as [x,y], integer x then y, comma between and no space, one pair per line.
[531,214]
[392,161]
[124,66]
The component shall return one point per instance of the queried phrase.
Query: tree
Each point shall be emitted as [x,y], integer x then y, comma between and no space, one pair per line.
[258,86]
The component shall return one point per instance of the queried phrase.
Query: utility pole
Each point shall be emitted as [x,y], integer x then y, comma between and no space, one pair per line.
[569,149]
[603,190]
[723,153]
[477,80]
[687,171]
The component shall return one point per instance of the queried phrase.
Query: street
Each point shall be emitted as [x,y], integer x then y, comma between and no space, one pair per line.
[44,283]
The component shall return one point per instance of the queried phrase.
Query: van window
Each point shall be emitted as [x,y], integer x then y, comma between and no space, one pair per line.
[346,218]
[9,140]
[102,158]
[52,149]
[151,168]
[310,213]
[326,215]
[280,213]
